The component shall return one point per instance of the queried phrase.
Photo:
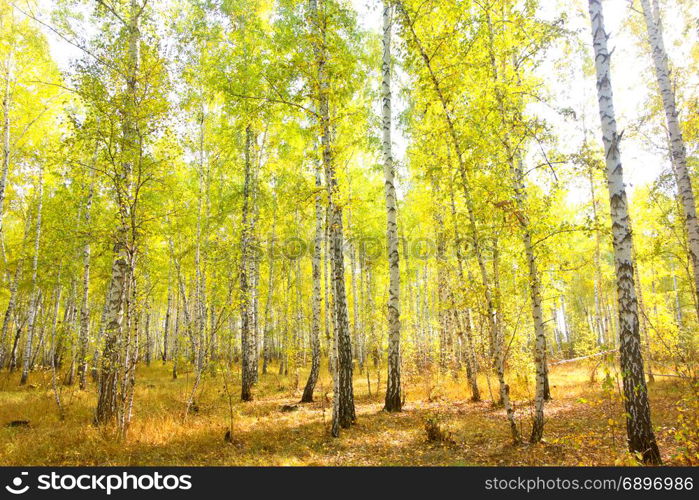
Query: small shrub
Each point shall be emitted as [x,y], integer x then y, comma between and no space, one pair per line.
[436,430]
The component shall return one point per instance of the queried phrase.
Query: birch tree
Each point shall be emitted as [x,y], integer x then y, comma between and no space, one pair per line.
[639,429]
[35,296]
[343,410]
[677,147]
[393,390]
[307,396]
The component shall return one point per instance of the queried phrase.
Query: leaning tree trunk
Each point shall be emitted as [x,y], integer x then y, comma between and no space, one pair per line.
[9,312]
[315,269]
[638,421]
[677,147]
[393,390]
[466,325]
[520,195]
[494,325]
[36,292]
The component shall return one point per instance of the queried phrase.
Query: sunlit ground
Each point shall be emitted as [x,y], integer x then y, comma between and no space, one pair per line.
[584,423]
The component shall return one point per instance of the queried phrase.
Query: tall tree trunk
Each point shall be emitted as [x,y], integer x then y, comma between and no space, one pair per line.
[393,387]
[344,412]
[465,325]
[246,334]
[315,270]
[6,148]
[200,292]
[168,319]
[298,323]
[267,332]
[113,358]
[600,332]
[9,312]
[84,325]
[535,295]
[677,147]
[638,420]
[328,307]
[176,337]
[516,172]
[35,291]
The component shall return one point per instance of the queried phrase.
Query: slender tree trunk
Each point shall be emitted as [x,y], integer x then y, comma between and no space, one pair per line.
[535,295]
[168,319]
[467,326]
[84,325]
[245,302]
[639,428]
[600,332]
[298,324]
[344,412]
[113,359]
[267,333]
[9,312]
[6,148]
[677,147]
[393,387]
[495,327]
[520,195]
[315,270]
[200,293]
[176,338]
[36,292]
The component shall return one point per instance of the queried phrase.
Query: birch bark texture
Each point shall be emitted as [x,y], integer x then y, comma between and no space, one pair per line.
[307,396]
[6,147]
[36,291]
[393,389]
[638,420]
[677,146]
[84,325]
[535,295]
[246,334]
[113,360]
[343,412]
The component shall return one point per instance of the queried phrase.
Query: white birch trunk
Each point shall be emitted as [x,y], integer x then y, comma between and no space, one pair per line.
[315,270]
[638,421]
[6,149]
[393,386]
[84,325]
[677,147]
[113,359]
[344,411]
[36,292]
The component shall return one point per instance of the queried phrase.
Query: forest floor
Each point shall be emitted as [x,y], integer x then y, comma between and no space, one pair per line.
[584,423]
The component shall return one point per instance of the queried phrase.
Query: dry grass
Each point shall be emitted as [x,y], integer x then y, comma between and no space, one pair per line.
[584,424]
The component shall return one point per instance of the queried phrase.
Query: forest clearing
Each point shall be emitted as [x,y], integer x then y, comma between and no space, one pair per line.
[349,232]
[586,424]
